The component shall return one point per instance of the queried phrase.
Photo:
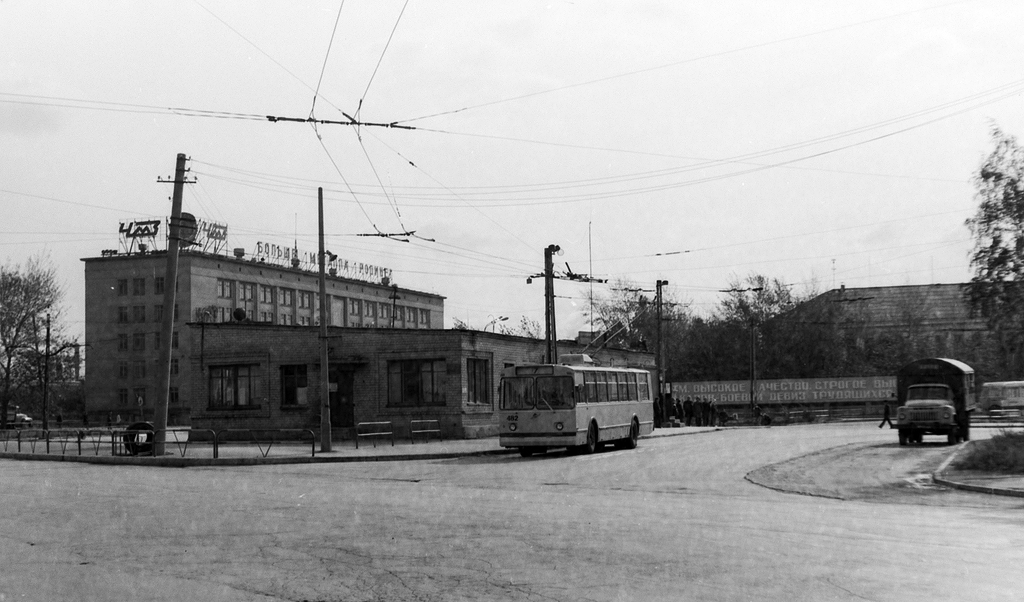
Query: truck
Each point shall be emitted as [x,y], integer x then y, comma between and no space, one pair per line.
[935,396]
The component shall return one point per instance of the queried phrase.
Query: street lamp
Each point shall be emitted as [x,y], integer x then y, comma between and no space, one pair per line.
[494,321]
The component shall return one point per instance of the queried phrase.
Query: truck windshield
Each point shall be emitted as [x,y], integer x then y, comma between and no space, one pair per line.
[934,392]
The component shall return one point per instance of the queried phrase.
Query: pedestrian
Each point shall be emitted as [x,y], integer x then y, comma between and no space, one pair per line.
[657,412]
[885,416]
[110,419]
[60,421]
[687,411]
[712,412]
[706,408]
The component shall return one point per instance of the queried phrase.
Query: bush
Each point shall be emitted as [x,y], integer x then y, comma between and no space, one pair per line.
[1004,452]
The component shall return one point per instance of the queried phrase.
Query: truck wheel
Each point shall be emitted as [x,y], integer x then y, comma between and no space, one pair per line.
[952,437]
[903,438]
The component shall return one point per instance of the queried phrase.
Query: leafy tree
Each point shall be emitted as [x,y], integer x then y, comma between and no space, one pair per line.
[27,295]
[997,288]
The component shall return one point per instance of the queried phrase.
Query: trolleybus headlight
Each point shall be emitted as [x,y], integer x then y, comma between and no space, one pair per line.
[512,427]
[559,426]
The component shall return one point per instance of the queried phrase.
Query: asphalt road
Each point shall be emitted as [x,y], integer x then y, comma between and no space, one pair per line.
[679,518]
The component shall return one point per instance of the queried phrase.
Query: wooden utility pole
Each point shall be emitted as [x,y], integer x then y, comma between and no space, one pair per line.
[551,333]
[163,392]
[325,381]
[659,359]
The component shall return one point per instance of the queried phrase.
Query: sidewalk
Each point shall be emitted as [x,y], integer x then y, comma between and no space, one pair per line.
[981,482]
[282,452]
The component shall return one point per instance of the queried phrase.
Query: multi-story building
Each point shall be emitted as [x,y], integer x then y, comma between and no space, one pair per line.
[124,313]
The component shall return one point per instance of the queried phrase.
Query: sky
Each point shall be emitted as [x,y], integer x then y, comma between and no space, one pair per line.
[819,143]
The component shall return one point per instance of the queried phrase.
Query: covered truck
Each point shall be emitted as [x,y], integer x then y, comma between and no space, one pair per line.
[935,396]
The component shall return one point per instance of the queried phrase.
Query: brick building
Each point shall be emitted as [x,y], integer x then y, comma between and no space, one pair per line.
[124,311]
[255,376]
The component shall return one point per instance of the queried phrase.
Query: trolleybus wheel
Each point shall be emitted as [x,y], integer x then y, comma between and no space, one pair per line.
[591,445]
[630,441]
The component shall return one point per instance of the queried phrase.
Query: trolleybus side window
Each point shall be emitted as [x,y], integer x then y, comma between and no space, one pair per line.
[554,392]
[631,381]
[645,387]
[590,382]
[623,386]
[602,386]
[517,394]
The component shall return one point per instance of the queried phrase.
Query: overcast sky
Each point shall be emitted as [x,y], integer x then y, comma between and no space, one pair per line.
[821,143]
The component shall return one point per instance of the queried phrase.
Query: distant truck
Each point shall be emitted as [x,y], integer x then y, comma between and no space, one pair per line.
[17,420]
[935,396]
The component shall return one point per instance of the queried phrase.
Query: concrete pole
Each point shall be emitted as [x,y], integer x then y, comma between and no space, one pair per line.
[163,391]
[325,381]
[551,332]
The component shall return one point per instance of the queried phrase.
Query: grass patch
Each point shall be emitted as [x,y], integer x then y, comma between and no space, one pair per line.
[1004,452]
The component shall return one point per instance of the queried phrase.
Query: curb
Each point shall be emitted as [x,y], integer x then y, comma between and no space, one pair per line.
[939,477]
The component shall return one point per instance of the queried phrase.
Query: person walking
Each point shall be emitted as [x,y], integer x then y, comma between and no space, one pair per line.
[687,411]
[885,416]
[712,412]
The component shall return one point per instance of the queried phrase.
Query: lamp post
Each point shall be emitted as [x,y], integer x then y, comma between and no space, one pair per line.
[549,304]
[494,321]
[659,353]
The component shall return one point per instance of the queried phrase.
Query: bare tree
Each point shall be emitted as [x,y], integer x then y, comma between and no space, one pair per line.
[27,295]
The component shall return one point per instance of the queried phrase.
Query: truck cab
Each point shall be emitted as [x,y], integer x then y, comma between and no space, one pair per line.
[936,397]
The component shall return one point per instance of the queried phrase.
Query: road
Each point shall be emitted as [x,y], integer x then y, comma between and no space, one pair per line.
[679,518]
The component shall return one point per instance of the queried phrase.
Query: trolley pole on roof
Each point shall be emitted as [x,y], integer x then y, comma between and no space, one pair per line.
[325,379]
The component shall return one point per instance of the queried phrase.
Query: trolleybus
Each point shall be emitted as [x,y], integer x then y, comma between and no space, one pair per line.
[575,404]
[1005,396]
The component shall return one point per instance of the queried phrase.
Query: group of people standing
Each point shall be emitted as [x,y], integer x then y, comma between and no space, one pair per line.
[698,411]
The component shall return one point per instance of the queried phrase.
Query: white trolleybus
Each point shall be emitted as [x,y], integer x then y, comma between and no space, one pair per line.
[574,404]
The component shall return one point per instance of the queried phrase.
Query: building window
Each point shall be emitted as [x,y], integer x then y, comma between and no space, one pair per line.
[305,299]
[369,309]
[158,285]
[304,321]
[174,340]
[122,398]
[266,294]
[122,342]
[294,385]
[234,386]
[173,397]
[425,318]
[246,291]
[122,287]
[138,286]
[139,395]
[158,313]
[138,341]
[353,307]
[410,315]
[414,383]
[287,297]
[385,311]
[139,313]
[286,319]
[224,314]
[267,316]
[156,340]
[174,366]
[139,369]
[122,314]
[122,369]
[477,371]
[225,289]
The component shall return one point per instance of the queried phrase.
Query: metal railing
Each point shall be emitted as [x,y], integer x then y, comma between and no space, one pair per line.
[424,427]
[378,429]
[138,442]
[261,441]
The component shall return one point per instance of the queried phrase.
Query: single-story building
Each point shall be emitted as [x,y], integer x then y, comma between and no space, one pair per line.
[249,375]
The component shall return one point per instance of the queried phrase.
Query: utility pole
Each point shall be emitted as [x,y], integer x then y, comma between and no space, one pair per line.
[549,304]
[325,380]
[46,377]
[163,392]
[659,360]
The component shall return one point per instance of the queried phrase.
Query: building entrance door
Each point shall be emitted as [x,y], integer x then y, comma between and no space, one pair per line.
[342,379]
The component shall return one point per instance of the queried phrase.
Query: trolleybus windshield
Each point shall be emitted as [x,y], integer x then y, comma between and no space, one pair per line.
[542,393]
